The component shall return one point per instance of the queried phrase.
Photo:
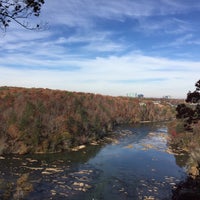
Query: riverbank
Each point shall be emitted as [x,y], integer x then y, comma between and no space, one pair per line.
[189,143]
[42,120]
[185,141]
[137,165]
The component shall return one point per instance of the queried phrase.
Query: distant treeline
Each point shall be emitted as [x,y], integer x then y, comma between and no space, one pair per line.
[44,120]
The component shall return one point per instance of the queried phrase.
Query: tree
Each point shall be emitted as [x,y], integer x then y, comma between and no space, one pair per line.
[191,114]
[194,97]
[19,11]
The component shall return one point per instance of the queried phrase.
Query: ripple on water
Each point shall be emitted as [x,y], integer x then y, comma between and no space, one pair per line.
[138,166]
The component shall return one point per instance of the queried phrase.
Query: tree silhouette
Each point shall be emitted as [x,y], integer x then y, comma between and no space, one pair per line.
[190,113]
[194,97]
[19,11]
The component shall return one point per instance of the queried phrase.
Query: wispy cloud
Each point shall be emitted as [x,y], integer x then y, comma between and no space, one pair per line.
[183,40]
[164,25]
[139,71]
[106,47]
[140,80]
[83,13]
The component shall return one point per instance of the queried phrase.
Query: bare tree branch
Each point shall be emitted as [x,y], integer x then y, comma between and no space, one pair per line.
[18,11]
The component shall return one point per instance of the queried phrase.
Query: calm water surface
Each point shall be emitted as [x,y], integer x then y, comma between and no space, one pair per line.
[137,166]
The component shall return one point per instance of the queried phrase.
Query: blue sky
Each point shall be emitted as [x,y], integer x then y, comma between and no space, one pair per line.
[110,47]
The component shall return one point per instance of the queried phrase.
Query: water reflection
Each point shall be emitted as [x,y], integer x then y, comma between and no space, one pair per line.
[137,166]
[190,187]
[45,171]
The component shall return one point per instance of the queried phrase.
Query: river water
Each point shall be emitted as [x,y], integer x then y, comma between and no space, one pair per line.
[137,166]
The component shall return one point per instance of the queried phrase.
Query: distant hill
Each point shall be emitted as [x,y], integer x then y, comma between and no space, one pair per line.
[43,120]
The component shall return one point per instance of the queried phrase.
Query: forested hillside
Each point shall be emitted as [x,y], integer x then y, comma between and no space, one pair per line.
[44,120]
[185,137]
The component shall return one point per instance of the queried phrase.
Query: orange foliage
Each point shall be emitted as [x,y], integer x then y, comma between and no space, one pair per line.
[34,116]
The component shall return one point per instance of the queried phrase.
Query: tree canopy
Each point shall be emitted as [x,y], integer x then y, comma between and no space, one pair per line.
[194,97]
[190,113]
[18,11]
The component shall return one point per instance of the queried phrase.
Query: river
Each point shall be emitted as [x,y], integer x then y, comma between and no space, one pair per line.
[138,165]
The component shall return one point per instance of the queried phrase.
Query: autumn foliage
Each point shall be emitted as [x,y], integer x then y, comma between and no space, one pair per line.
[44,120]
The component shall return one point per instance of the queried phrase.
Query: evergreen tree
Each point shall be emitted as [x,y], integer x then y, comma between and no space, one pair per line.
[190,113]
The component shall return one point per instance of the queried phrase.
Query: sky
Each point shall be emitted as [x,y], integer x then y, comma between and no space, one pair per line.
[114,47]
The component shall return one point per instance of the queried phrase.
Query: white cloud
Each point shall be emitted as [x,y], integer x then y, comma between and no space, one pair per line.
[88,36]
[149,75]
[183,40]
[169,25]
[83,12]
[58,57]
